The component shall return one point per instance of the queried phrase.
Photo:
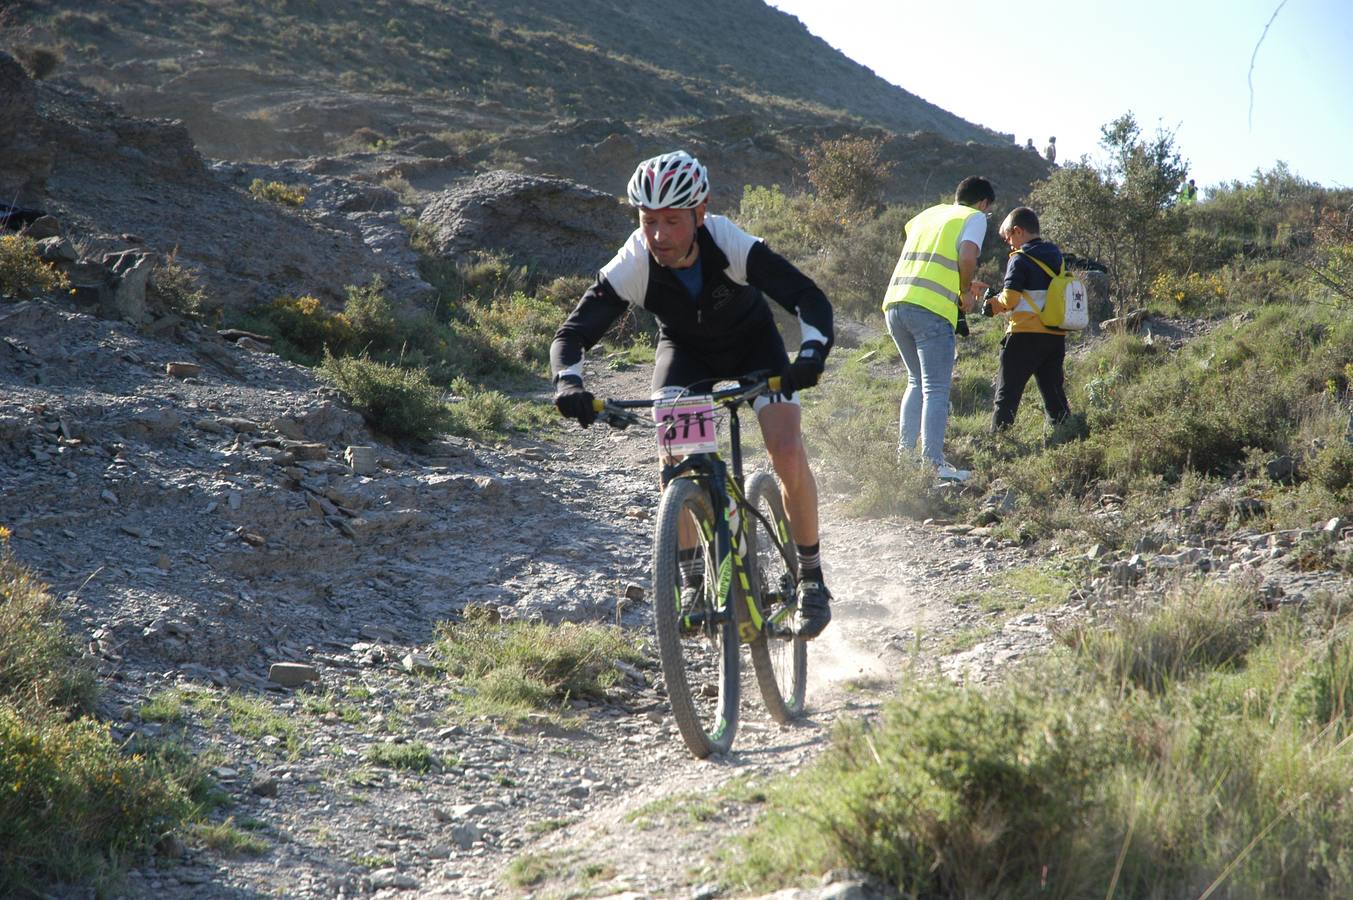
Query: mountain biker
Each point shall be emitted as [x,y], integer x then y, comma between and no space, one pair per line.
[703,278]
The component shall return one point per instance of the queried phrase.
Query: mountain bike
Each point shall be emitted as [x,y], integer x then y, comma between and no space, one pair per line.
[748,592]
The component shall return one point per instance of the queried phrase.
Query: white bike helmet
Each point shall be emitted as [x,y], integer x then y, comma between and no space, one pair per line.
[672,180]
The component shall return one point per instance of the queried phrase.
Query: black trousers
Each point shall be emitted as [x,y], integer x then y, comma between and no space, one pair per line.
[1025,354]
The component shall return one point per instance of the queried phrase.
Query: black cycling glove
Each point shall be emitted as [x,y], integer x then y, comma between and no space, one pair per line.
[805,370]
[574,402]
[961,326]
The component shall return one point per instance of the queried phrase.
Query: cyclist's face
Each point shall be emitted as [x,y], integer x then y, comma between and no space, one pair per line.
[669,234]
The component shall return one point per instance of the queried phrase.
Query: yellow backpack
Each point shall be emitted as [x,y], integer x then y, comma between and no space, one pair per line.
[1068,304]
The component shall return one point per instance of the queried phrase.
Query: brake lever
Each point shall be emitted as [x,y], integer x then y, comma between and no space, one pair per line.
[618,418]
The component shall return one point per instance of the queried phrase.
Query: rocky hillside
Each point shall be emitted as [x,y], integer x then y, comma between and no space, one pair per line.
[118,184]
[294,78]
[576,89]
[473,119]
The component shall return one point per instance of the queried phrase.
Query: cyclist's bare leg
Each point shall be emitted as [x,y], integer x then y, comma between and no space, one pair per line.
[781,429]
[687,535]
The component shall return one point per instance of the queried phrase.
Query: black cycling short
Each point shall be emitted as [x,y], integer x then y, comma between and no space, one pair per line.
[681,366]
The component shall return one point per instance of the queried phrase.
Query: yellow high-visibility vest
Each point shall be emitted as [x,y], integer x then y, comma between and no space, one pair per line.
[927,271]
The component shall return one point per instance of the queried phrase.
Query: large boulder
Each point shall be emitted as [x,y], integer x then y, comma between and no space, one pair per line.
[551,224]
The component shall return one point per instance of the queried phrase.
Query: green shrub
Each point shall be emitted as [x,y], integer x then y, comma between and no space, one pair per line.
[951,794]
[376,326]
[1190,292]
[412,757]
[277,192]
[513,668]
[517,328]
[1263,211]
[847,176]
[1069,470]
[399,402]
[39,61]
[1229,778]
[492,327]
[779,219]
[40,662]
[854,271]
[1152,648]
[1330,264]
[73,807]
[364,140]
[1118,210]
[22,271]
[1325,692]
[487,415]
[1201,251]
[488,277]
[565,291]
[306,330]
[227,839]
[1271,381]
[177,287]
[1332,468]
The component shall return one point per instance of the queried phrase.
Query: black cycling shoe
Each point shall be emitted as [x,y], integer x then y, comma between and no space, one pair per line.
[692,607]
[814,611]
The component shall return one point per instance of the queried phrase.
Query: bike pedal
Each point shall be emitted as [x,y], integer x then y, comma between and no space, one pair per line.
[694,623]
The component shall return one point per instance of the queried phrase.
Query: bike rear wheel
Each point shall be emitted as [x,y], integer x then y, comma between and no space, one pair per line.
[779,658]
[699,667]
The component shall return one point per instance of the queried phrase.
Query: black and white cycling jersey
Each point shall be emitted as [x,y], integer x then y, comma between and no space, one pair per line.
[740,272]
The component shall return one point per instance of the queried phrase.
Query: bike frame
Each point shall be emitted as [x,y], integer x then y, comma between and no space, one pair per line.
[711,472]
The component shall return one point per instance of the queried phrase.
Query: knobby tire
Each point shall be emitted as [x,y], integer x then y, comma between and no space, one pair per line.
[706,726]
[780,661]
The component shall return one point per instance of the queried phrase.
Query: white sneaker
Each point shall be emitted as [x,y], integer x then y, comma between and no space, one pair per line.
[949,473]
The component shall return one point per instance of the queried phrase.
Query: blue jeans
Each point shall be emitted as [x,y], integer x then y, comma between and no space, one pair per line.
[926,342]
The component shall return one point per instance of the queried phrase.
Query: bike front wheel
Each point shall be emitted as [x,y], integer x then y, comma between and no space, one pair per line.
[779,657]
[698,645]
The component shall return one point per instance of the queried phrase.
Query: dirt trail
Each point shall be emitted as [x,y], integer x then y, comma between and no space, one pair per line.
[202,530]
[651,840]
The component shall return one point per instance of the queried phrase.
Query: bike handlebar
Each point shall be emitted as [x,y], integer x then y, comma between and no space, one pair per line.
[616,413]
[765,386]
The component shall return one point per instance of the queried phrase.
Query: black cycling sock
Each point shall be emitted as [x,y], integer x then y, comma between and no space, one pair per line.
[810,562]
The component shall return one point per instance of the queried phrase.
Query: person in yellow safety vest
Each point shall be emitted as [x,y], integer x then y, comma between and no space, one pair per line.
[1188,193]
[932,281]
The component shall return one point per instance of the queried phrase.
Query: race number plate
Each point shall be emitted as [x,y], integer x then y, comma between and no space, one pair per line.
[686,425]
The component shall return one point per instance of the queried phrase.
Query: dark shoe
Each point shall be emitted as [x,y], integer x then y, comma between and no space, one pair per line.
[815,609]
[692,607]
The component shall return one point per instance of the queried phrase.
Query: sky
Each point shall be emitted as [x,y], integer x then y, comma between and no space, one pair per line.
[1068,68]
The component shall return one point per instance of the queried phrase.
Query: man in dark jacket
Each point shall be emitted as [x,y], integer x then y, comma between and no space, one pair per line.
[703,278]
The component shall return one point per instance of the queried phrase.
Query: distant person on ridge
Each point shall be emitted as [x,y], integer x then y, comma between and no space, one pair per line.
[1030,348]
[1029,145]
[932,281]
[1050,151]
[1188,193]
[703,278]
